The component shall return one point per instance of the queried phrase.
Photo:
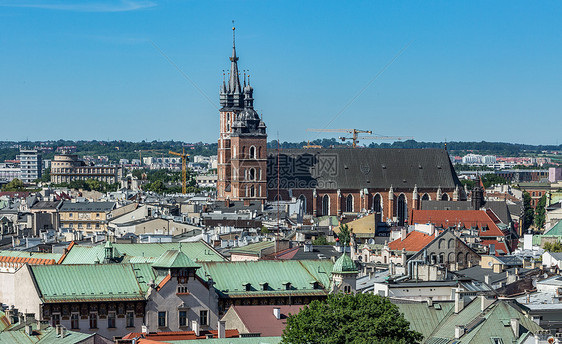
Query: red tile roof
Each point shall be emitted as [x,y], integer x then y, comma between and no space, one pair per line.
[466,218]
[29,260]
[260,319]
[413,242]
[162,337]
[163,282]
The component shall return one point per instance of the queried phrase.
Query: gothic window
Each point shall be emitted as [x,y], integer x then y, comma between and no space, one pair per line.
[402,210]
[377,204]
[349,203]
[259,152]
[252,152]
[278,198]
[425,197]
[326,205]
[252,191]
[252,174]
[445,197]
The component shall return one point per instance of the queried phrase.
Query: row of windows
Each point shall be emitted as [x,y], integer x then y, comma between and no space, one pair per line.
[93,320]
[81,225]
[182,318]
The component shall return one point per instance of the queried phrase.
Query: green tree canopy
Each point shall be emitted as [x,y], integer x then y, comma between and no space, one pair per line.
[540,213]
[552,246]
[14,185]
[343,318]
[344,235]
[529,213]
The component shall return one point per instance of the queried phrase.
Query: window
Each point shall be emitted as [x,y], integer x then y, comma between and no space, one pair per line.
[79,225]
[347,289]
[111,320]
[183,318]
[93,320]
[70,215]
[74,321]
[55,319]
[204,318]
[325,205]
[349,203]
[252,152]
[89,225]
[161,319]
[252,174]
[130,319]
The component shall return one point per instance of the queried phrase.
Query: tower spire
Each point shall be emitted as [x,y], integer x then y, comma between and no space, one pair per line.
[234,80]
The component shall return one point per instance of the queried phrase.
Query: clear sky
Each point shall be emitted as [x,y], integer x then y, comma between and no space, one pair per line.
[472,71]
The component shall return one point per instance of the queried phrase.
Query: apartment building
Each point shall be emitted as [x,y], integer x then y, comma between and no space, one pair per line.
[66,168]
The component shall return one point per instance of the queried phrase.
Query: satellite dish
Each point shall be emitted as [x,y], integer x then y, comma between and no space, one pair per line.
[490,264]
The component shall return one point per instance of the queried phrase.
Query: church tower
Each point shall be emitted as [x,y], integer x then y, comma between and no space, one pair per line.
[242,155]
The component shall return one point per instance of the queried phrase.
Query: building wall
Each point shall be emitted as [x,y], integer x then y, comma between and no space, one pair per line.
[67,168]
[171,300]
[233,321]
[7,286]
[26,294]
[84,220]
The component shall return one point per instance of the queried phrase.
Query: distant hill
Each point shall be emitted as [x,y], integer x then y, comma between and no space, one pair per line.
[116,150]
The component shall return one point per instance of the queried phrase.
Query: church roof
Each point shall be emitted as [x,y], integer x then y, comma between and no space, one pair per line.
[358,168]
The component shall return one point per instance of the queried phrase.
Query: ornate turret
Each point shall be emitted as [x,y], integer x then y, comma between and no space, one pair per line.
[344,275]
[231,93]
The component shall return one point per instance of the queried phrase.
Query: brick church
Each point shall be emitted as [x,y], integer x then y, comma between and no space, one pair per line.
[389,182]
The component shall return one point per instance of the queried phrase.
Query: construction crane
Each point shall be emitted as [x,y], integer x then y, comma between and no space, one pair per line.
[397,138]
[308,145]
[184,159]
[353,132]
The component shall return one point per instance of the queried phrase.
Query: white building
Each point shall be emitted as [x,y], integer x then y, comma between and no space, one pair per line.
[30,165]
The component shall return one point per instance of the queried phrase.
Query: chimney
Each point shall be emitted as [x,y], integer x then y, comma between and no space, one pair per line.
[144,329]
[430,302]
[29,330]
[485,302]
[58,329]
[487,279]
[459,331]
[515,327]
[42,324]
[195,327]
[403,233]
[459,302]
[222,329]
[29,318]
[277,313]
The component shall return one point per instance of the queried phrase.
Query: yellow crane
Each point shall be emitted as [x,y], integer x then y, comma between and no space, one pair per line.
[355,137]
[184,160]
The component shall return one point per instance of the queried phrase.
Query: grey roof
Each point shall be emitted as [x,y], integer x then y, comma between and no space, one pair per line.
[510,260]
[87,206]
[46,205]
[358,168]
[477,273]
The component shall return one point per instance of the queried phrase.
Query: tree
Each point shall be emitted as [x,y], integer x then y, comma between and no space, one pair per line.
[14,185]
[552,246]
[344,235]
[264,230]
[344,318]
[540,213]
[528,211]
[321,240]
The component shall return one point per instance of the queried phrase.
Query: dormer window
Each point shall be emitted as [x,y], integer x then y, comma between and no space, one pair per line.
[264,285]
[247,286]
[288,285]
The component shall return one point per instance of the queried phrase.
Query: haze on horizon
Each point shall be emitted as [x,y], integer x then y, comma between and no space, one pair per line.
[472,71]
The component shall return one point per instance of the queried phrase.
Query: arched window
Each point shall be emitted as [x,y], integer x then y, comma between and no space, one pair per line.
[451,243]
[302,198]
[425,197]
[459,258]
[252,191]
[377,204]
[278,198]
[451,258]
[326,205]
[349,203]
[402,210]
[252,152]
[252,174]
[441,244]
[445,197]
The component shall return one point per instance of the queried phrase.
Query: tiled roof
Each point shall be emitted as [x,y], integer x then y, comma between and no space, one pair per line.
[24,260]
[231,278]
[413,242]
[99,282]
[260,319]
[466,218]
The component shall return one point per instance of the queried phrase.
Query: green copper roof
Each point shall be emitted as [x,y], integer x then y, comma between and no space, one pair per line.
[555,230]
[174,259]
[231,278]
[423,318]
[344,265]
[139,253]
[100,282]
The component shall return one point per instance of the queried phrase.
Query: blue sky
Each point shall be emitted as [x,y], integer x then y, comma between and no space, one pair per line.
[472,71]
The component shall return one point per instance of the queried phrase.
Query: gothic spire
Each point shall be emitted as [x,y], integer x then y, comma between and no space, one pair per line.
[234,82]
